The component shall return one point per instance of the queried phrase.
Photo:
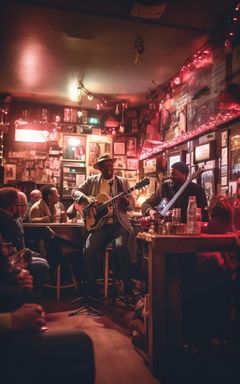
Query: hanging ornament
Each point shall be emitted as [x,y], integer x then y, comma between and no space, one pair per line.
[139,48]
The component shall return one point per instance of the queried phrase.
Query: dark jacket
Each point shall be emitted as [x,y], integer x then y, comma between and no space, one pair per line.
[168,191]
[11,229]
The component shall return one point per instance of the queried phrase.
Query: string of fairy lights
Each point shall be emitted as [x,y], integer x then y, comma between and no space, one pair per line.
[202,57]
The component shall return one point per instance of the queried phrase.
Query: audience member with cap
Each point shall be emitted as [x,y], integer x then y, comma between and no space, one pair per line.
[116,227]
[168,189]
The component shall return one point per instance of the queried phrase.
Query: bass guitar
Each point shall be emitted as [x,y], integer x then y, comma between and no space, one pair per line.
[163,207]
[97,212]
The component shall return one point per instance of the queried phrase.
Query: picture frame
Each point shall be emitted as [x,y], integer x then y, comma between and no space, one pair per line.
[224,156]
[224,180]
[74,147]
[132,164]
[96,149]
[150,165]
[131,146]
[234,157]
[173,159]
[119,148]
[224,138]
[205,152]
[131,175]
[9,172]
[224,170]
[208,183]
[120,162]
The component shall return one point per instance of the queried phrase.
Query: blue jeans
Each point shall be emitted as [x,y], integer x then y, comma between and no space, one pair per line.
[39,269]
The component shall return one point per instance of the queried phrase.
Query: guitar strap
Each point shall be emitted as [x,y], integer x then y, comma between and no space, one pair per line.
[119,185]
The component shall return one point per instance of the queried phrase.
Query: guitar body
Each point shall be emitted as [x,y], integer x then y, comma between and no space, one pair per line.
[97,215]
[97,212]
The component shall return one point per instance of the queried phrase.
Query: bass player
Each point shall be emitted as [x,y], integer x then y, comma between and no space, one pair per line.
[168,189]
[114,225]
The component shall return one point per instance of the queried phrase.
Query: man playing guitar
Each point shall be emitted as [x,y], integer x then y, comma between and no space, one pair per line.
[169,190]
[114,225]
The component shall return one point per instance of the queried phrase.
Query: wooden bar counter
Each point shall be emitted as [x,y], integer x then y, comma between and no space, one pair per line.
[72,232]
[165,317]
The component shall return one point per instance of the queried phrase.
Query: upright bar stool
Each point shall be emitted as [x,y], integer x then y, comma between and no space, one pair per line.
[106,269]
[58,286]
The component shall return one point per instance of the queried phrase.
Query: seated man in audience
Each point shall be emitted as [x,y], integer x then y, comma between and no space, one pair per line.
[48,209]
[12,205]
[21,336]
[35,195]
[16,283]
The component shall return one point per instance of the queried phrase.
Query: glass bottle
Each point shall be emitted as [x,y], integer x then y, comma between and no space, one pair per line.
[236,209]
[192,215]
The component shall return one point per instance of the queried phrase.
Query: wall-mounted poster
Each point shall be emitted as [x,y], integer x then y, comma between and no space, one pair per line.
[235,157]
[131,175]
[224,137]
[208,183]
[131,146]
[9,172]
[224,156]
[150,165]
[119,148]
[120,162]
[74,147]
[132,164]
[97,149]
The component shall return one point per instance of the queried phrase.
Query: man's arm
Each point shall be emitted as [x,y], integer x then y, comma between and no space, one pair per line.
[151,203]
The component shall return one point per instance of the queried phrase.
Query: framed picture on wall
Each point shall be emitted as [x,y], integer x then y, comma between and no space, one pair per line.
[74,147]
[205,152]
[224,137]
[132,164]
[120,162]
[234,157]
[9,172]
[97,149]
[224,156]
[131,147]
[208,183]
[119,148]
[131,175]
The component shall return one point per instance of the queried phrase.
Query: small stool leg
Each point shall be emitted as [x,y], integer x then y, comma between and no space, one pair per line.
[74,280]
[106,273]
[58,281]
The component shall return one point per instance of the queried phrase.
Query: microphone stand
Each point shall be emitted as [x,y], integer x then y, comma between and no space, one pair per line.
[85,308]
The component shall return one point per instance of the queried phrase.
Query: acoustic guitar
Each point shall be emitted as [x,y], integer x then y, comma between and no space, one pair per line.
[97,212]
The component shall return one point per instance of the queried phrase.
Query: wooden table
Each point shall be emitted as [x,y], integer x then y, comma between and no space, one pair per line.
[72,232]
[165,320]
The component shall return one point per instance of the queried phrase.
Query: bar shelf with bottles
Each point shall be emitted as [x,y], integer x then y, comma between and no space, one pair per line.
[73,174]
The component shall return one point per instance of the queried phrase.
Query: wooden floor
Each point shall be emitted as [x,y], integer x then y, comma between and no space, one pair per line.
[116,359]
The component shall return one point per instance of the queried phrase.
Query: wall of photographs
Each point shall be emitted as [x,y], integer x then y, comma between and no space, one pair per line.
[125,151]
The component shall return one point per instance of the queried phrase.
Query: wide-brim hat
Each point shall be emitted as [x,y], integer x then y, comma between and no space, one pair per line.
[102,158]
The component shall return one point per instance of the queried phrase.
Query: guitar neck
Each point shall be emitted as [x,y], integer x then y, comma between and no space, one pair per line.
[180,191]
[174,198]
